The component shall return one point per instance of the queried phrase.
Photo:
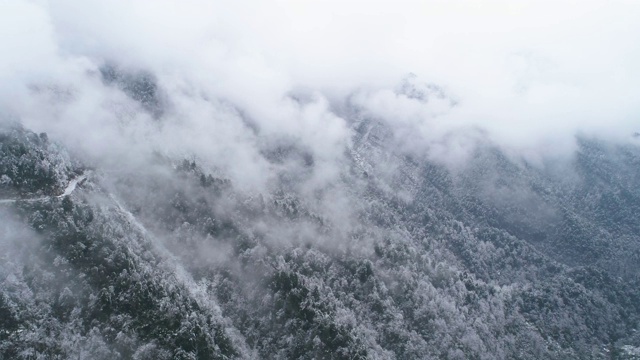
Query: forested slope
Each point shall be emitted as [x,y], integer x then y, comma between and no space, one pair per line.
[501,259]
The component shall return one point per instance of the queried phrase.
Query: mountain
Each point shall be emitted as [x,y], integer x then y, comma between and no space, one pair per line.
[401,258]
[319,180]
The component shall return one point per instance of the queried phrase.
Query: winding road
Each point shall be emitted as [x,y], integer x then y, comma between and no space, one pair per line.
[67,191]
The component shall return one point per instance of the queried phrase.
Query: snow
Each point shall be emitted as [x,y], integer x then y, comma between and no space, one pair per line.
[67,191]
[72,185]
[631,350]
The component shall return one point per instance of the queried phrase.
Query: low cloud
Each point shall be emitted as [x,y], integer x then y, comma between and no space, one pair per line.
[238,76]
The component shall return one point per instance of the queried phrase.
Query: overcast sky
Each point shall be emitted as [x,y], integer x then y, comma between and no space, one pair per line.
[530,73]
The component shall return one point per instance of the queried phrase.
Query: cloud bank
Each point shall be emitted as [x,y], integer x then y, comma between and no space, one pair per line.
[237,77]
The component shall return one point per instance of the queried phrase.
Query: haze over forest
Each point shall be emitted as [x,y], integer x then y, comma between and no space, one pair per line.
[319,179]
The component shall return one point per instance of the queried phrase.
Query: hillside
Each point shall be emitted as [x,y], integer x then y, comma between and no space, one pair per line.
[500,259]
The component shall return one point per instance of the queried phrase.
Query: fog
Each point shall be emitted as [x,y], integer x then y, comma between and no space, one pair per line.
[237,77]
[272,179]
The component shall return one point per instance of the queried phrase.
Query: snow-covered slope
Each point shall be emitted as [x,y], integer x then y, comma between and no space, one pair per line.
[497,260]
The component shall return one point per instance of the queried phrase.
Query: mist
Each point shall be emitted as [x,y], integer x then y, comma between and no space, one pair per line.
[408,179]
[268,95]
[234,76]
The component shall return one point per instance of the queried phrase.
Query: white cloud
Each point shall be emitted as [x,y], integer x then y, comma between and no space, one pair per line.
[530,73]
